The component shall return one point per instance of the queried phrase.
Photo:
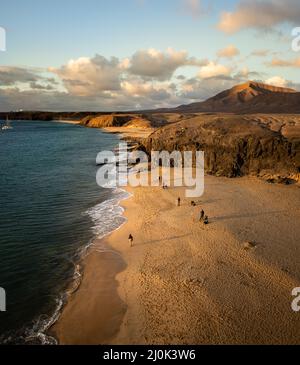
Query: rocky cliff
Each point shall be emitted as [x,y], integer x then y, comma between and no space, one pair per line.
[234,145]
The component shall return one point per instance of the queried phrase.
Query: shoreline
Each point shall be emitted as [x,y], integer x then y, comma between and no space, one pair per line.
[54,331]
[75,316]
[97,253]
[205,260]
[75,122]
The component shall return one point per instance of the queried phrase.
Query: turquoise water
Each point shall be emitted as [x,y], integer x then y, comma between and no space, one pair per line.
[50,210]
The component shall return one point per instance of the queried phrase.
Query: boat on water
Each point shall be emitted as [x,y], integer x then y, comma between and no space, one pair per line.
[7,125]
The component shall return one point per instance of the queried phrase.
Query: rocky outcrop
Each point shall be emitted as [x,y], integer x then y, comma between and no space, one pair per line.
[102,121]
[118,120]
[233,146]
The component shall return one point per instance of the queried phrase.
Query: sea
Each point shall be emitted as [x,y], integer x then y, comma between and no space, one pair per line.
[51,211]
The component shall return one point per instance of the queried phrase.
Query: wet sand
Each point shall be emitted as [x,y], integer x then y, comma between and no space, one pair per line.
[185,283]
[97,297]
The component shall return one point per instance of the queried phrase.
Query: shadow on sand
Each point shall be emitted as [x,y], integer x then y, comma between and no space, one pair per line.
[244,216]
[166,239]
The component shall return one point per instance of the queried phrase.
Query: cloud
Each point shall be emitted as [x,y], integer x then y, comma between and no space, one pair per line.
[90,76]
[37,86]
[196,89]
[228,52]
[277,81]
[246,74]
[15,99]
[277,62]
[145,80]
[260,14]
[213,69]
[11,75]
[282,82]
[157,65]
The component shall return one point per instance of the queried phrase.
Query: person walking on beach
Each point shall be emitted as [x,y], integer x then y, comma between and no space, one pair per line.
[178,202]
[202,214]
[130,240]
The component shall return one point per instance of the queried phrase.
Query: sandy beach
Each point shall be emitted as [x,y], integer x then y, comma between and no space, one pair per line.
[185,283]
[130,132]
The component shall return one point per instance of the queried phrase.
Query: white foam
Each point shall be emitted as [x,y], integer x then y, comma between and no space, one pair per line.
[42,325]
[108,215]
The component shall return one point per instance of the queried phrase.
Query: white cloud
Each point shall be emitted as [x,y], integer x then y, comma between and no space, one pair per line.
[90,76]
[260,14]
[196,89]
[277,81]
[155,64]
[135,87]
[213,69]
[146,80]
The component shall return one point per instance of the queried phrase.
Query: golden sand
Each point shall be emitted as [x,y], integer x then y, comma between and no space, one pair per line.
[229,282]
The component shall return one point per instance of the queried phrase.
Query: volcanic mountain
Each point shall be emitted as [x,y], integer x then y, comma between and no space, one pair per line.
[251,97]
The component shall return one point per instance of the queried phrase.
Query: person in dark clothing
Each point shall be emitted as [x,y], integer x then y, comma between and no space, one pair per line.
[178,202]
[130,240]
[202,214]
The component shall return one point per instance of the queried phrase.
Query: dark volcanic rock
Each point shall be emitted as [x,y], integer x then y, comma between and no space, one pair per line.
[233,146]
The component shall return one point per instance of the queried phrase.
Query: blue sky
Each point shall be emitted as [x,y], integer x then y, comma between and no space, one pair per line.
[43,32]
[46,35]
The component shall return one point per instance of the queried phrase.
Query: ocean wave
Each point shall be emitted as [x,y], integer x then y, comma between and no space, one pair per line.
[106,217]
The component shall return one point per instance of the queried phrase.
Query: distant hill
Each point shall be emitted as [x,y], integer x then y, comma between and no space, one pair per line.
[251,97]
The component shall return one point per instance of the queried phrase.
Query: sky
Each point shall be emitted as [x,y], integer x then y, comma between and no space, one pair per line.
[137,54]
